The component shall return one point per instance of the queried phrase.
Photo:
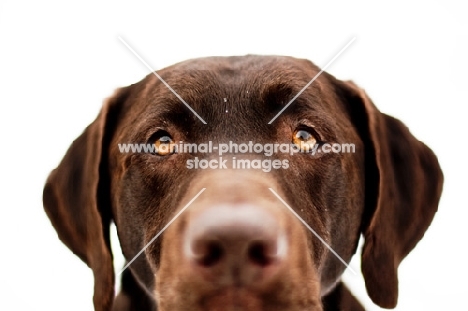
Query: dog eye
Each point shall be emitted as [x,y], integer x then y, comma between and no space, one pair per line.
[304,139]
[163,143]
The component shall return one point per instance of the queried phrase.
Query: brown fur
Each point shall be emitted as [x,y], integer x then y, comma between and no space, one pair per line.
[388,190]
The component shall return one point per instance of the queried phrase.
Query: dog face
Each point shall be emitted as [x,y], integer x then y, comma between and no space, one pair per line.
[238,245]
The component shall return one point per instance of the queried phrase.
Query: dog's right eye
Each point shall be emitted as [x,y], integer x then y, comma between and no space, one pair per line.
[163,143]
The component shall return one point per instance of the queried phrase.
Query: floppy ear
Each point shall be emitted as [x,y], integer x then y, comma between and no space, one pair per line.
[403,187]
[76,199]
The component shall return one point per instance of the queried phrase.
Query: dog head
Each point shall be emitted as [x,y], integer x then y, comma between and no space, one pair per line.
[273,237]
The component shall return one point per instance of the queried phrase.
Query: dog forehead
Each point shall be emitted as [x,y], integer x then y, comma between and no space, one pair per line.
[223,89]
[220,78]
[231,71]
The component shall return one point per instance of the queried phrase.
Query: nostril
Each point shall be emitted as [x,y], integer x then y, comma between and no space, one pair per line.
[224,237]
[211,254]
[260,254]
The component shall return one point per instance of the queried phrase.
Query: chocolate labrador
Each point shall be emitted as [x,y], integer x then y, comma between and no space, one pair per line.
[241,229]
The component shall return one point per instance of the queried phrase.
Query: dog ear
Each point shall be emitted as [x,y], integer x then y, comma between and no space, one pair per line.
[76,199]
[403,187]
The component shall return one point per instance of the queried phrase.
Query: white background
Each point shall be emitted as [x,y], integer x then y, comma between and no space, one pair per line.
[58,61]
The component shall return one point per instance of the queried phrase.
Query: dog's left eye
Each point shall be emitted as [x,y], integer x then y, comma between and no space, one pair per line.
[304,139]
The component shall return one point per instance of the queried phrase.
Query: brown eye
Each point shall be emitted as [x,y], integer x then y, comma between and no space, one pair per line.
[304,140]
[163,143]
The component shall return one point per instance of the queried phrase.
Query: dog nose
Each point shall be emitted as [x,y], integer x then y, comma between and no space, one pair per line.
[235,244]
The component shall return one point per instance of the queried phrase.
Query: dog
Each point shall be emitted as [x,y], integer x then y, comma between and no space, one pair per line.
[277,236]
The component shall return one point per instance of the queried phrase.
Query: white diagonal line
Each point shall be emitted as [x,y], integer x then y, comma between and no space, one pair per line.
[313,231]
[161,79]
[162,230]
[313,79]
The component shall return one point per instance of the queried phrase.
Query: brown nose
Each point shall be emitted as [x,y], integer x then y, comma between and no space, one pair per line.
[235,244]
